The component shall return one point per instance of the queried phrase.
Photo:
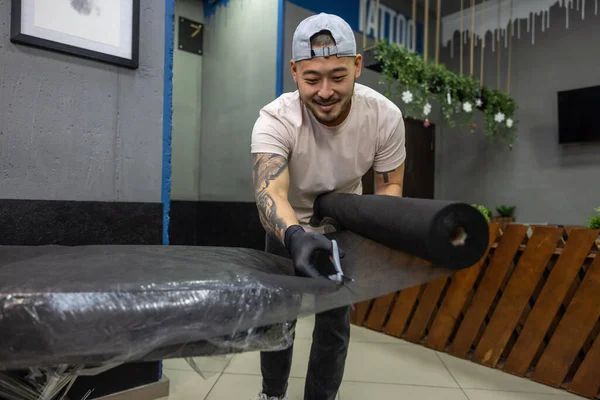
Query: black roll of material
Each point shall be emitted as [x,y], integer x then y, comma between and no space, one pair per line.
[450,234]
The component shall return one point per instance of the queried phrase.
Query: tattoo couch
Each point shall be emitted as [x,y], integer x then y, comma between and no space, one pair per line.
[99,306]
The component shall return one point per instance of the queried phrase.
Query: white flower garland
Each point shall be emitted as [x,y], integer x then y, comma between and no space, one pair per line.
[427,109]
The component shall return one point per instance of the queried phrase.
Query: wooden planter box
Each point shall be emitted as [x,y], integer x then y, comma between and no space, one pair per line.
[530,307]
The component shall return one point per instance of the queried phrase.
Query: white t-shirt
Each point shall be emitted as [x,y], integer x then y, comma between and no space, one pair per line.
[324,159]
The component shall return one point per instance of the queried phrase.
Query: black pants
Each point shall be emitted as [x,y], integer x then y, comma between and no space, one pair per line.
[331,336]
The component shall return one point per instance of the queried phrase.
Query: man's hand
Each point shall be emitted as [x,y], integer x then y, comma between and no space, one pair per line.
[303,247]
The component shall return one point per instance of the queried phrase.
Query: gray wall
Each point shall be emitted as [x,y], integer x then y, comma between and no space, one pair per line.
[187,106]
[238,79]
[73,129]
[547,182]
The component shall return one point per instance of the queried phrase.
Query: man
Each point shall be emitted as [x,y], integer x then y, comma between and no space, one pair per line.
[322,138]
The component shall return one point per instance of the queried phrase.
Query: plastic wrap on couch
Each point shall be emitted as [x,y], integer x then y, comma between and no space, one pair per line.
[95,305]
[108,304]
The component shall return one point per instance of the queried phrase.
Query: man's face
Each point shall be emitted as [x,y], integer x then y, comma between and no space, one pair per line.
[326,85]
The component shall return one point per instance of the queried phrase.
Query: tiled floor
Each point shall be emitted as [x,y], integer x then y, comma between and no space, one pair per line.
[377,367]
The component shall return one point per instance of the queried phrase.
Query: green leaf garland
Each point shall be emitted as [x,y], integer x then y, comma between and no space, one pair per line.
[417,84]
[594,220]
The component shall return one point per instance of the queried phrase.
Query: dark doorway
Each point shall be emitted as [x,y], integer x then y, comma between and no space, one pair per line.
[419,174]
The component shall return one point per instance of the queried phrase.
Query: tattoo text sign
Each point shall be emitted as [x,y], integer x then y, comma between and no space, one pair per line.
[384,23]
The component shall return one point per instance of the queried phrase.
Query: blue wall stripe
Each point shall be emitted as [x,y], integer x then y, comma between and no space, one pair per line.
[210,7]
[280,48]
[167,115]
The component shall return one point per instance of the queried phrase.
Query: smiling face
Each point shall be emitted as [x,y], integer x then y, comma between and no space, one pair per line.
[326,85]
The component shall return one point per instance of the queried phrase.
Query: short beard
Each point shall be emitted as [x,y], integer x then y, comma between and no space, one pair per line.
[343,107]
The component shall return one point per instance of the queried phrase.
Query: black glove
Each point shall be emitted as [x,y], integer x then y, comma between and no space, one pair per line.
[304,247]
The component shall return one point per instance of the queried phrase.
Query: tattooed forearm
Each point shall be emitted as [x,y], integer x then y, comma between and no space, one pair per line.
[267,211]
[272,208]
[267,167]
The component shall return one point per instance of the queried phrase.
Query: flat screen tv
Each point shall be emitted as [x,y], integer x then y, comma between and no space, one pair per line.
[579,115]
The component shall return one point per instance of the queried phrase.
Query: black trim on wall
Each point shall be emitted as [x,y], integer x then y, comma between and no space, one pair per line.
[118,379]
[183,223]
[207,223]
[72,223]
[75,223]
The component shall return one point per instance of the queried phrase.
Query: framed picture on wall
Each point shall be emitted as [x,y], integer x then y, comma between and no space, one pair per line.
[103,30]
